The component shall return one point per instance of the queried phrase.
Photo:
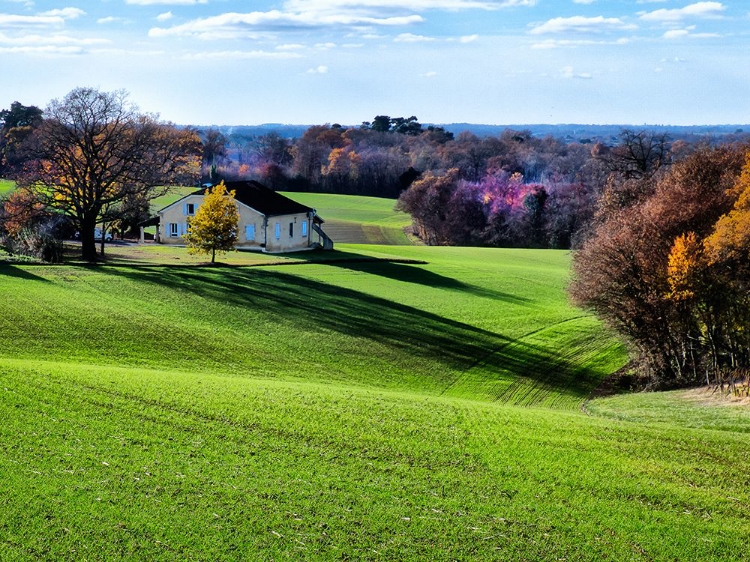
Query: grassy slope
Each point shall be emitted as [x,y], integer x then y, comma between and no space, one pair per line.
[6,186]
[296,413]
[358,220]
[464,324]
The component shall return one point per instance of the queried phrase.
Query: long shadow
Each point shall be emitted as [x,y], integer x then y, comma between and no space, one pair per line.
[12,271]
[313,305]
[407,271]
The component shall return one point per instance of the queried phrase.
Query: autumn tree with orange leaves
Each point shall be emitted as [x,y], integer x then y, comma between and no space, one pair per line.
[95,149]
[670,272]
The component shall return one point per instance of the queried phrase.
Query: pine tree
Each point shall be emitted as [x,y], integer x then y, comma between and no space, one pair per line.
[214,226]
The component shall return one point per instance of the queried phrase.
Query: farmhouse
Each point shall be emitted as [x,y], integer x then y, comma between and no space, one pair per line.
[268,222]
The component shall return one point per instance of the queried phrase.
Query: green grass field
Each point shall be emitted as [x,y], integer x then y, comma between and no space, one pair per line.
[378,402]
[358,220]
[6,186]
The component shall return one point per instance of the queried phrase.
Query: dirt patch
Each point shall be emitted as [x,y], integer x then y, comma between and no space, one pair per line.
[707,396]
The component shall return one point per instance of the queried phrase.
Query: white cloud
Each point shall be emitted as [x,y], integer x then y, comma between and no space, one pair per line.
[697,10]
[411,38]
[165,16]
[12,20]
[412,5]
[584,1]
[217,26]
[429,74]
[580,24]
[688,32]
[568,72]
[319,70]
[468,38]
[43,50]
[65,13]
[328,45]
[236,55]
[572,43]
[165,2]
[675,33]
[47,40]
[109,19]
[290,47]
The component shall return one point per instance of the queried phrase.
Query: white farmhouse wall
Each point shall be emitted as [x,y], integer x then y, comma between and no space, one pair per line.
[287,233]
[174,219]
[254,230]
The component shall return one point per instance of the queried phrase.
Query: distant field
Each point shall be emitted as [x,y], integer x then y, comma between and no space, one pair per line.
[6,186]
[377,402]
[358,220]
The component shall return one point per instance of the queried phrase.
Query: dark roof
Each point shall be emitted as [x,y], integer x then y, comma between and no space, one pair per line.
[262,198]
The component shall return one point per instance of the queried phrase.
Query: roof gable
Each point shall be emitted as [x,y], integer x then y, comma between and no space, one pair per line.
[256,196]
[264,200]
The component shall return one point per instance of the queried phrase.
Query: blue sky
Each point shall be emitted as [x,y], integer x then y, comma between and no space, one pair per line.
[323,61]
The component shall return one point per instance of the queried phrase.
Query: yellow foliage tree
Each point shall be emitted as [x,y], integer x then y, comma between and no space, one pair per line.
[214,227]
[730,240]
[685,259]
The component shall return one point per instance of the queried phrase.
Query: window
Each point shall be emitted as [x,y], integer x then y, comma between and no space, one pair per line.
[291,230]
[190,209]
[173,230]
[278,231]
[304,228]
[250,232]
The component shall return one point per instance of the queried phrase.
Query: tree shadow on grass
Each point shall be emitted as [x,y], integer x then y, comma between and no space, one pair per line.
[406,271]
[9,270]
[311,306]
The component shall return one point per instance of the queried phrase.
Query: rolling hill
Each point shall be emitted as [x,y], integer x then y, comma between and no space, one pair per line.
[377,402]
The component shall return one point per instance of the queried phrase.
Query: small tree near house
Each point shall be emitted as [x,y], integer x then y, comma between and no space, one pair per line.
[214,226]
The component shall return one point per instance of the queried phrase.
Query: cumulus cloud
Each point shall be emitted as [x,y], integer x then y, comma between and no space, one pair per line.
[572,43]
[468,38]
[65,13]
[697,10]
[412,5]
[12,20]
[165,16]
[165,2]
[568,72]
[306,14]
[49,40]
[238,55]
[215,26]
[318,70]
[411,38]
[109,19]
[580,24]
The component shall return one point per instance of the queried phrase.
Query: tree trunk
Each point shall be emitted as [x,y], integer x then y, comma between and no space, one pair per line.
[88,243]
[213,255]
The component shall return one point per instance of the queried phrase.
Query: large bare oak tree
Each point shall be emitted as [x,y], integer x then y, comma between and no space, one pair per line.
[95,149]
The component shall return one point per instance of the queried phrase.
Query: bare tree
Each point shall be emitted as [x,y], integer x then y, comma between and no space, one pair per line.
[95,149]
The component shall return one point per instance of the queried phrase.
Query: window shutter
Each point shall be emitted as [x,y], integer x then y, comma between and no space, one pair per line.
[304,228]
[278,230]
[184,209]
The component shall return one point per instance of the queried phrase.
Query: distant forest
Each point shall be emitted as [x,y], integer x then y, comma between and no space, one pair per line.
[536,186]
